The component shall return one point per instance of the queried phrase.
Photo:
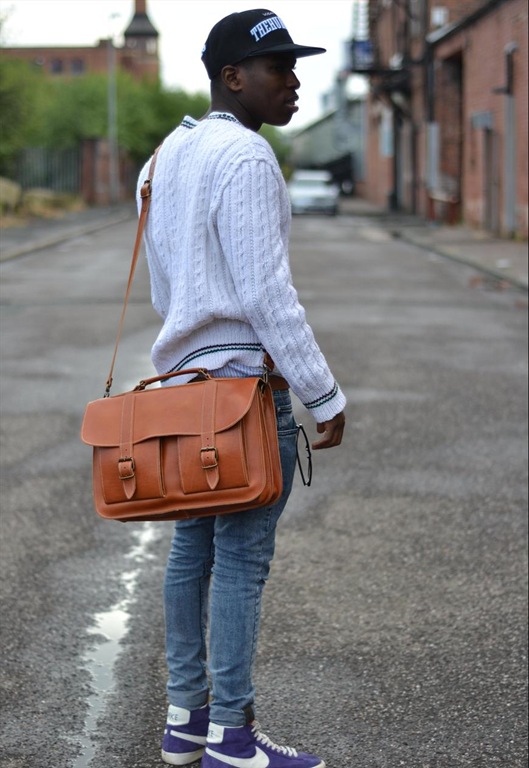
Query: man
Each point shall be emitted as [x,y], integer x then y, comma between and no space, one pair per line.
[217,249]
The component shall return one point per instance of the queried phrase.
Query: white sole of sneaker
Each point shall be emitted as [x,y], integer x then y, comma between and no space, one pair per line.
[185,758]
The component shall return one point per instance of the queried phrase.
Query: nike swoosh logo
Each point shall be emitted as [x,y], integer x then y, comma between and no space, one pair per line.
[259,760]
[188,737]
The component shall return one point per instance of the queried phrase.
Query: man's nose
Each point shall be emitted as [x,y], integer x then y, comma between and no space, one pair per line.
[292,80]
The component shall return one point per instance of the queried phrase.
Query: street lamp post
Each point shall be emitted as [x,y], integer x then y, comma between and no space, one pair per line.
[113,167]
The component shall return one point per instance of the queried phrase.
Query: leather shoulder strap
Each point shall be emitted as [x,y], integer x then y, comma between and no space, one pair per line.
[145,192]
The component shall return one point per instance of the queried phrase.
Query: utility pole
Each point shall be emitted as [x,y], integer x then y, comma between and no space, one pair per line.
[113,165]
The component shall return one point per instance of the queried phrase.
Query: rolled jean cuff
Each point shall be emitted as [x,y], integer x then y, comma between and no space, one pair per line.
[191,700]
[232,718]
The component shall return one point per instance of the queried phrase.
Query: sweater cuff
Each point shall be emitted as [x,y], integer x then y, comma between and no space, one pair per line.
[328,405]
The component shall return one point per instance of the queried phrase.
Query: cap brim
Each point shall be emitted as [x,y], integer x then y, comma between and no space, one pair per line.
[299,51]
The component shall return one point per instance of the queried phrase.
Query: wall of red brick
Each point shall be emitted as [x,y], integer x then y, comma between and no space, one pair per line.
[469,65]
[379,169]
[95,174]
[95,60]
[482,51]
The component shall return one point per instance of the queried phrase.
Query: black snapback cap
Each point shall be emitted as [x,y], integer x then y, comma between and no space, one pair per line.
[243,35]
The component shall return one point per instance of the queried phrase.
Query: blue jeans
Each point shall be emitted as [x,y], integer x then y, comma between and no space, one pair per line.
[216,570]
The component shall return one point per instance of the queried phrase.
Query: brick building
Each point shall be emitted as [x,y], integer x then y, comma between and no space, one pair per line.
[447,110]
[138,54]
[98,170]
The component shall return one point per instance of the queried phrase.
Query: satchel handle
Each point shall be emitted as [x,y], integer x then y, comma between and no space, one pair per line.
[164,376]
[203,372]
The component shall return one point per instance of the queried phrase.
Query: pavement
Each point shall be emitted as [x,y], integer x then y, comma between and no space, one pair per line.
[394,621]
[502,260]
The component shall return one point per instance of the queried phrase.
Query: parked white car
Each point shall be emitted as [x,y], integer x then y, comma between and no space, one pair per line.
[313,192]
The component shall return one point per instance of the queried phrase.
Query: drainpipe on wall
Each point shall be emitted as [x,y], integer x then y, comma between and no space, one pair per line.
[414,167]
[509,211]
[432,128]
[509,154]
[393,197]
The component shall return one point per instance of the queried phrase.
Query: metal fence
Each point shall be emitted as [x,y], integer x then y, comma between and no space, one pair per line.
[59,169]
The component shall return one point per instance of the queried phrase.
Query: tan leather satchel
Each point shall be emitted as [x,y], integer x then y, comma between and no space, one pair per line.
[204,448]
[208,447]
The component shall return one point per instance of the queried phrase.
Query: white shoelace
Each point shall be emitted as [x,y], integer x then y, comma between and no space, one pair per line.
[267,742]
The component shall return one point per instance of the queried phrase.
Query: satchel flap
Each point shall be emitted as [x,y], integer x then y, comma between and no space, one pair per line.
[164,411]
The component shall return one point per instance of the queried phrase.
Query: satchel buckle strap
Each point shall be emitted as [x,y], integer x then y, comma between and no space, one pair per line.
[207,463]
[209,455]
[126,468]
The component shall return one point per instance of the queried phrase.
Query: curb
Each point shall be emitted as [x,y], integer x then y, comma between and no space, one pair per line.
[67,234]
[399,233]
[60,237]
[501,277]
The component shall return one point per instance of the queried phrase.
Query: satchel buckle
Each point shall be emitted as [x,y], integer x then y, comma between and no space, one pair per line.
[122,468]
[216,454]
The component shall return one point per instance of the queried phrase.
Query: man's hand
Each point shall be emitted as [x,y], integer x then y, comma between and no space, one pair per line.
[332,431]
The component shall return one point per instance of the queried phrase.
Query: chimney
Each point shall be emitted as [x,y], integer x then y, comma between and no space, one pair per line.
[140,6]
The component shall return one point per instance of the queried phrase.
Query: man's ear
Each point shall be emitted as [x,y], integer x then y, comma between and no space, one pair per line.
[230,76]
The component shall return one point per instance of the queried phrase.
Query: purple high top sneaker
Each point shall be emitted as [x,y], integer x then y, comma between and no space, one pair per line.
[247,747]
[185,734]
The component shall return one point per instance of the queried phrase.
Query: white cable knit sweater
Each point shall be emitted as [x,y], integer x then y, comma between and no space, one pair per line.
[217,248]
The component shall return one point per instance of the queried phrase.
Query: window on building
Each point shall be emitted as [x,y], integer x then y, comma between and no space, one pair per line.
[77,67]
[56,66]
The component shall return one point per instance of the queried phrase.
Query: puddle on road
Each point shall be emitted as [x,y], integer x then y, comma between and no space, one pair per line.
[109,629]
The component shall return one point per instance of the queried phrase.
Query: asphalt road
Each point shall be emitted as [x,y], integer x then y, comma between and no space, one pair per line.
[394,628]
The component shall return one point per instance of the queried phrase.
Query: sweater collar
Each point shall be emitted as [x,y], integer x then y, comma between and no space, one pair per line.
[223,116]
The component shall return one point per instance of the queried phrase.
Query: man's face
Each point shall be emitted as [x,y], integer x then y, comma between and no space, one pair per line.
[269,88]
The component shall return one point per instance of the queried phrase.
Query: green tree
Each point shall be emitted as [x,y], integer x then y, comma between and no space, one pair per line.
[22,93]
[75,110]
[149,113]
[38,111]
